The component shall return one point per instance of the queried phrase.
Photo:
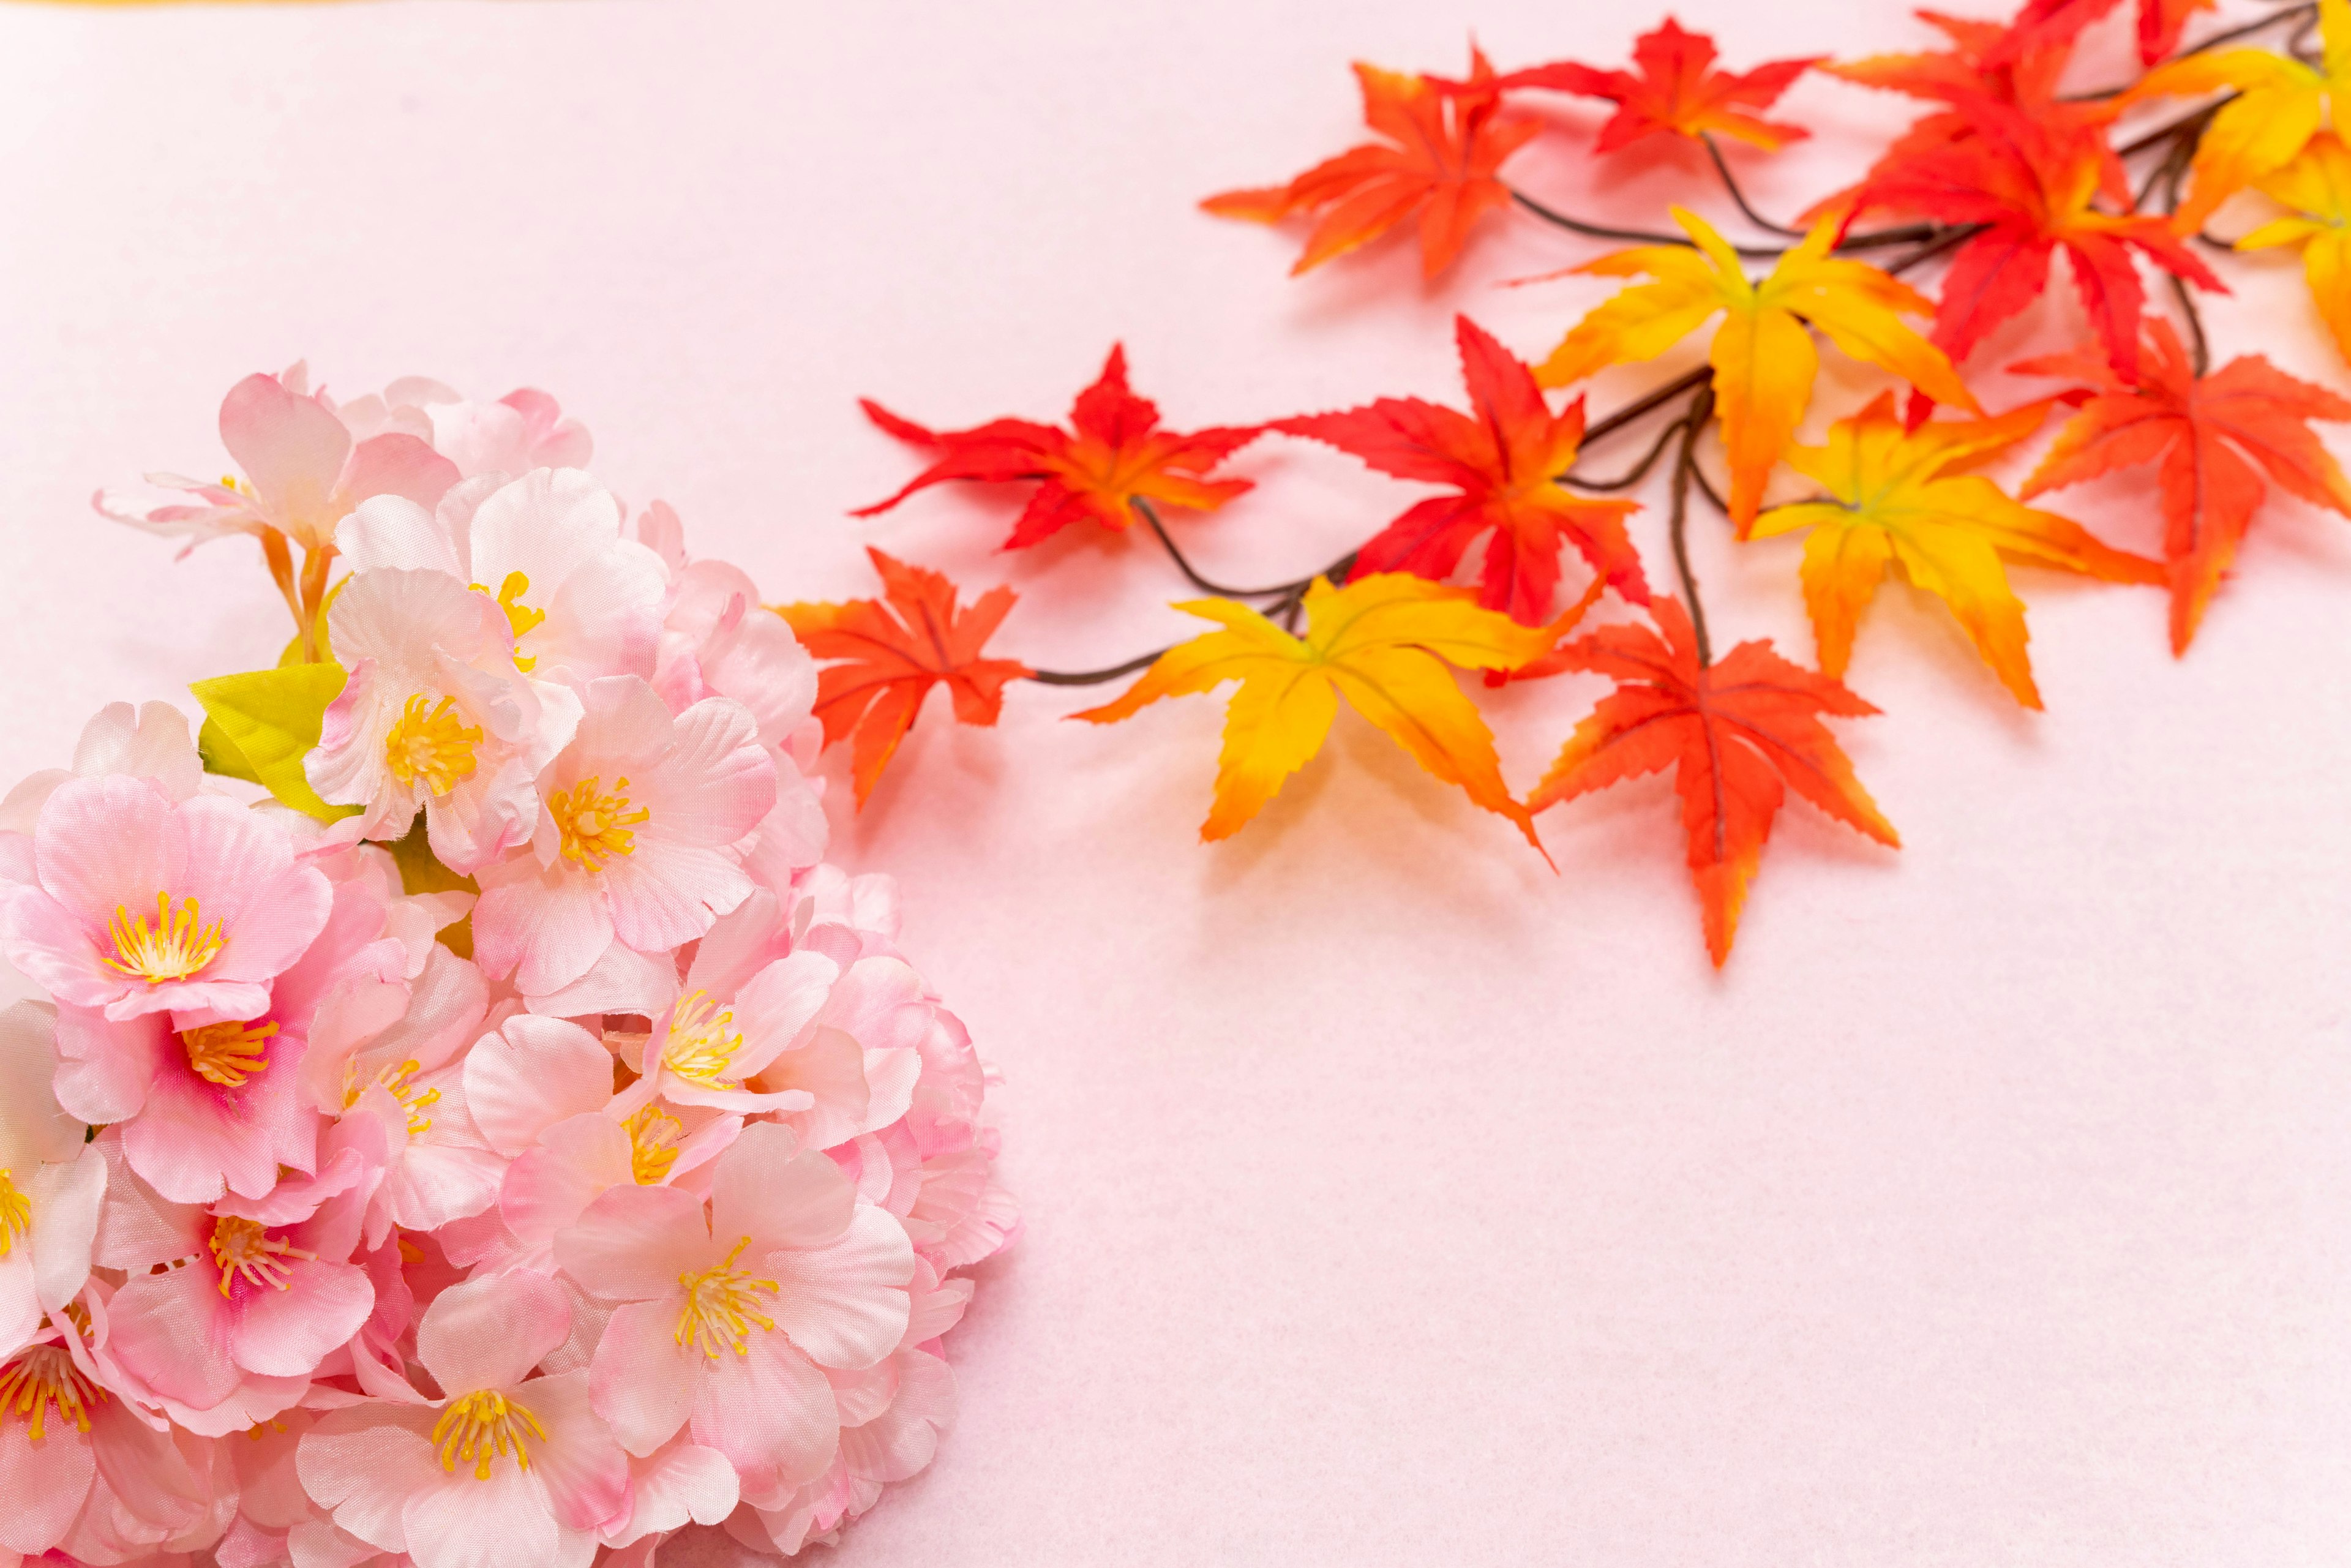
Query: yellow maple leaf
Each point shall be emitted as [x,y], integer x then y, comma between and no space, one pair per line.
[1763,356]
[1382,643]
[2318,186]
[1893,500]
[2279,105]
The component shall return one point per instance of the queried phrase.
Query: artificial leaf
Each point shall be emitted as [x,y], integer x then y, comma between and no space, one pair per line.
[2027,186]
[1763,356]
[2208,433]
[2047,24]
[1448,145]
[1738,733]
[892,652]
[1674,88]
[1112,454]
[1500,462]
[261,724]
[2318,186]
[1382,643]
[1894,500]
[2277,104]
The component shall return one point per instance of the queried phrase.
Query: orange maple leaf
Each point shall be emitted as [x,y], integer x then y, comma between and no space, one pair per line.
[2044,24]
[1738,733]
[2208,433]
[1674,88]
[1112,452]
[893,651]
[1448,145]
[1501,461]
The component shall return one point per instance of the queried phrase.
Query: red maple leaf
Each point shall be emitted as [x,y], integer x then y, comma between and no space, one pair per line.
[1738,733]
[1113,452]
[893,651]
[1674,88]
[2208,433]
[1447,146]
[2028,185]
[2045,24]
[1502,460]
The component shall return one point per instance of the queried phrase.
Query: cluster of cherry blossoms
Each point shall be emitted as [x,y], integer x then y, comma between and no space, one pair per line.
[500,1137]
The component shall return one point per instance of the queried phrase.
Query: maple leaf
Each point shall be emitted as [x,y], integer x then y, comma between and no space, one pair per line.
[893,651]
[2318,186]
[1112,452]
[2208,434]
[1738,733]
[1382,643]
[1447,148]
[1893,500]
[1763,356]
[1501,461]
[1674,89]
[2279,105]
[2029,187]
[2047,24]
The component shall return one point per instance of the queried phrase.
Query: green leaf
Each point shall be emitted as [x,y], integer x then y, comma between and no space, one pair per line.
[268,720]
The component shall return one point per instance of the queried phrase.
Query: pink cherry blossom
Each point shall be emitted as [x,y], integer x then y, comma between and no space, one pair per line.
[524,430]
[144,904]
[638,841]
[679,1484]
[434,715]
[546,548]
[303,471]
[506,1458]
[51,1182]
[151,741]
[732,1316]
[258,1294]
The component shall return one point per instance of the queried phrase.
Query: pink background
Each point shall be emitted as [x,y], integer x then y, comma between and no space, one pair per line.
[1391,1200]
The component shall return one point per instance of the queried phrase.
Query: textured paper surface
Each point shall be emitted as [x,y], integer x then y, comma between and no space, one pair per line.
[1391,1200]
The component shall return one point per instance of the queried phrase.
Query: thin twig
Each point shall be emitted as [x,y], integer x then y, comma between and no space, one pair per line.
[1705,487]
[1685,464]
[1737,196]
[1638,236]
[1949,239]
[2185,123]
[1093,677]
[1601,429]
[1632,476]
[1150,515]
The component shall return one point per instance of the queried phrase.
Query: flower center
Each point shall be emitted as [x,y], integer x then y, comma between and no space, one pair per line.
[481,1427]
[722,1305]
[701,1041]
[243,1247]
[227,1053]
[176,946]
[435,745]
[44,1379]
[521,617]
[652,1143]
[595,826]
[15,1213]
[394,1081]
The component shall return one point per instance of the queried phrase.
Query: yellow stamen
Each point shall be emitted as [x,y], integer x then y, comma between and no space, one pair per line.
[17,1213]
[394,1081]
[595,826]
[261,1429]
[45,1378]
[702,1041]
[722,1306]
[481,1427]
[243,1247]
[227,1054]
[436,745]
[177,945]
[652,1143]
[521,617]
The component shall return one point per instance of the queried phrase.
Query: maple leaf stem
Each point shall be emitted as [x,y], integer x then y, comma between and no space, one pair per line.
[1737,196]
[1638,236]
[1630,476]
[2200,348]
[1948,239]
[2185,127]
[1093,677]
[1647,404]
[1150,515]
[1685,466]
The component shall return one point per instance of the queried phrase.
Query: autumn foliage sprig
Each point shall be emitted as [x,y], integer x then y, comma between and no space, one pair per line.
[2006,169]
